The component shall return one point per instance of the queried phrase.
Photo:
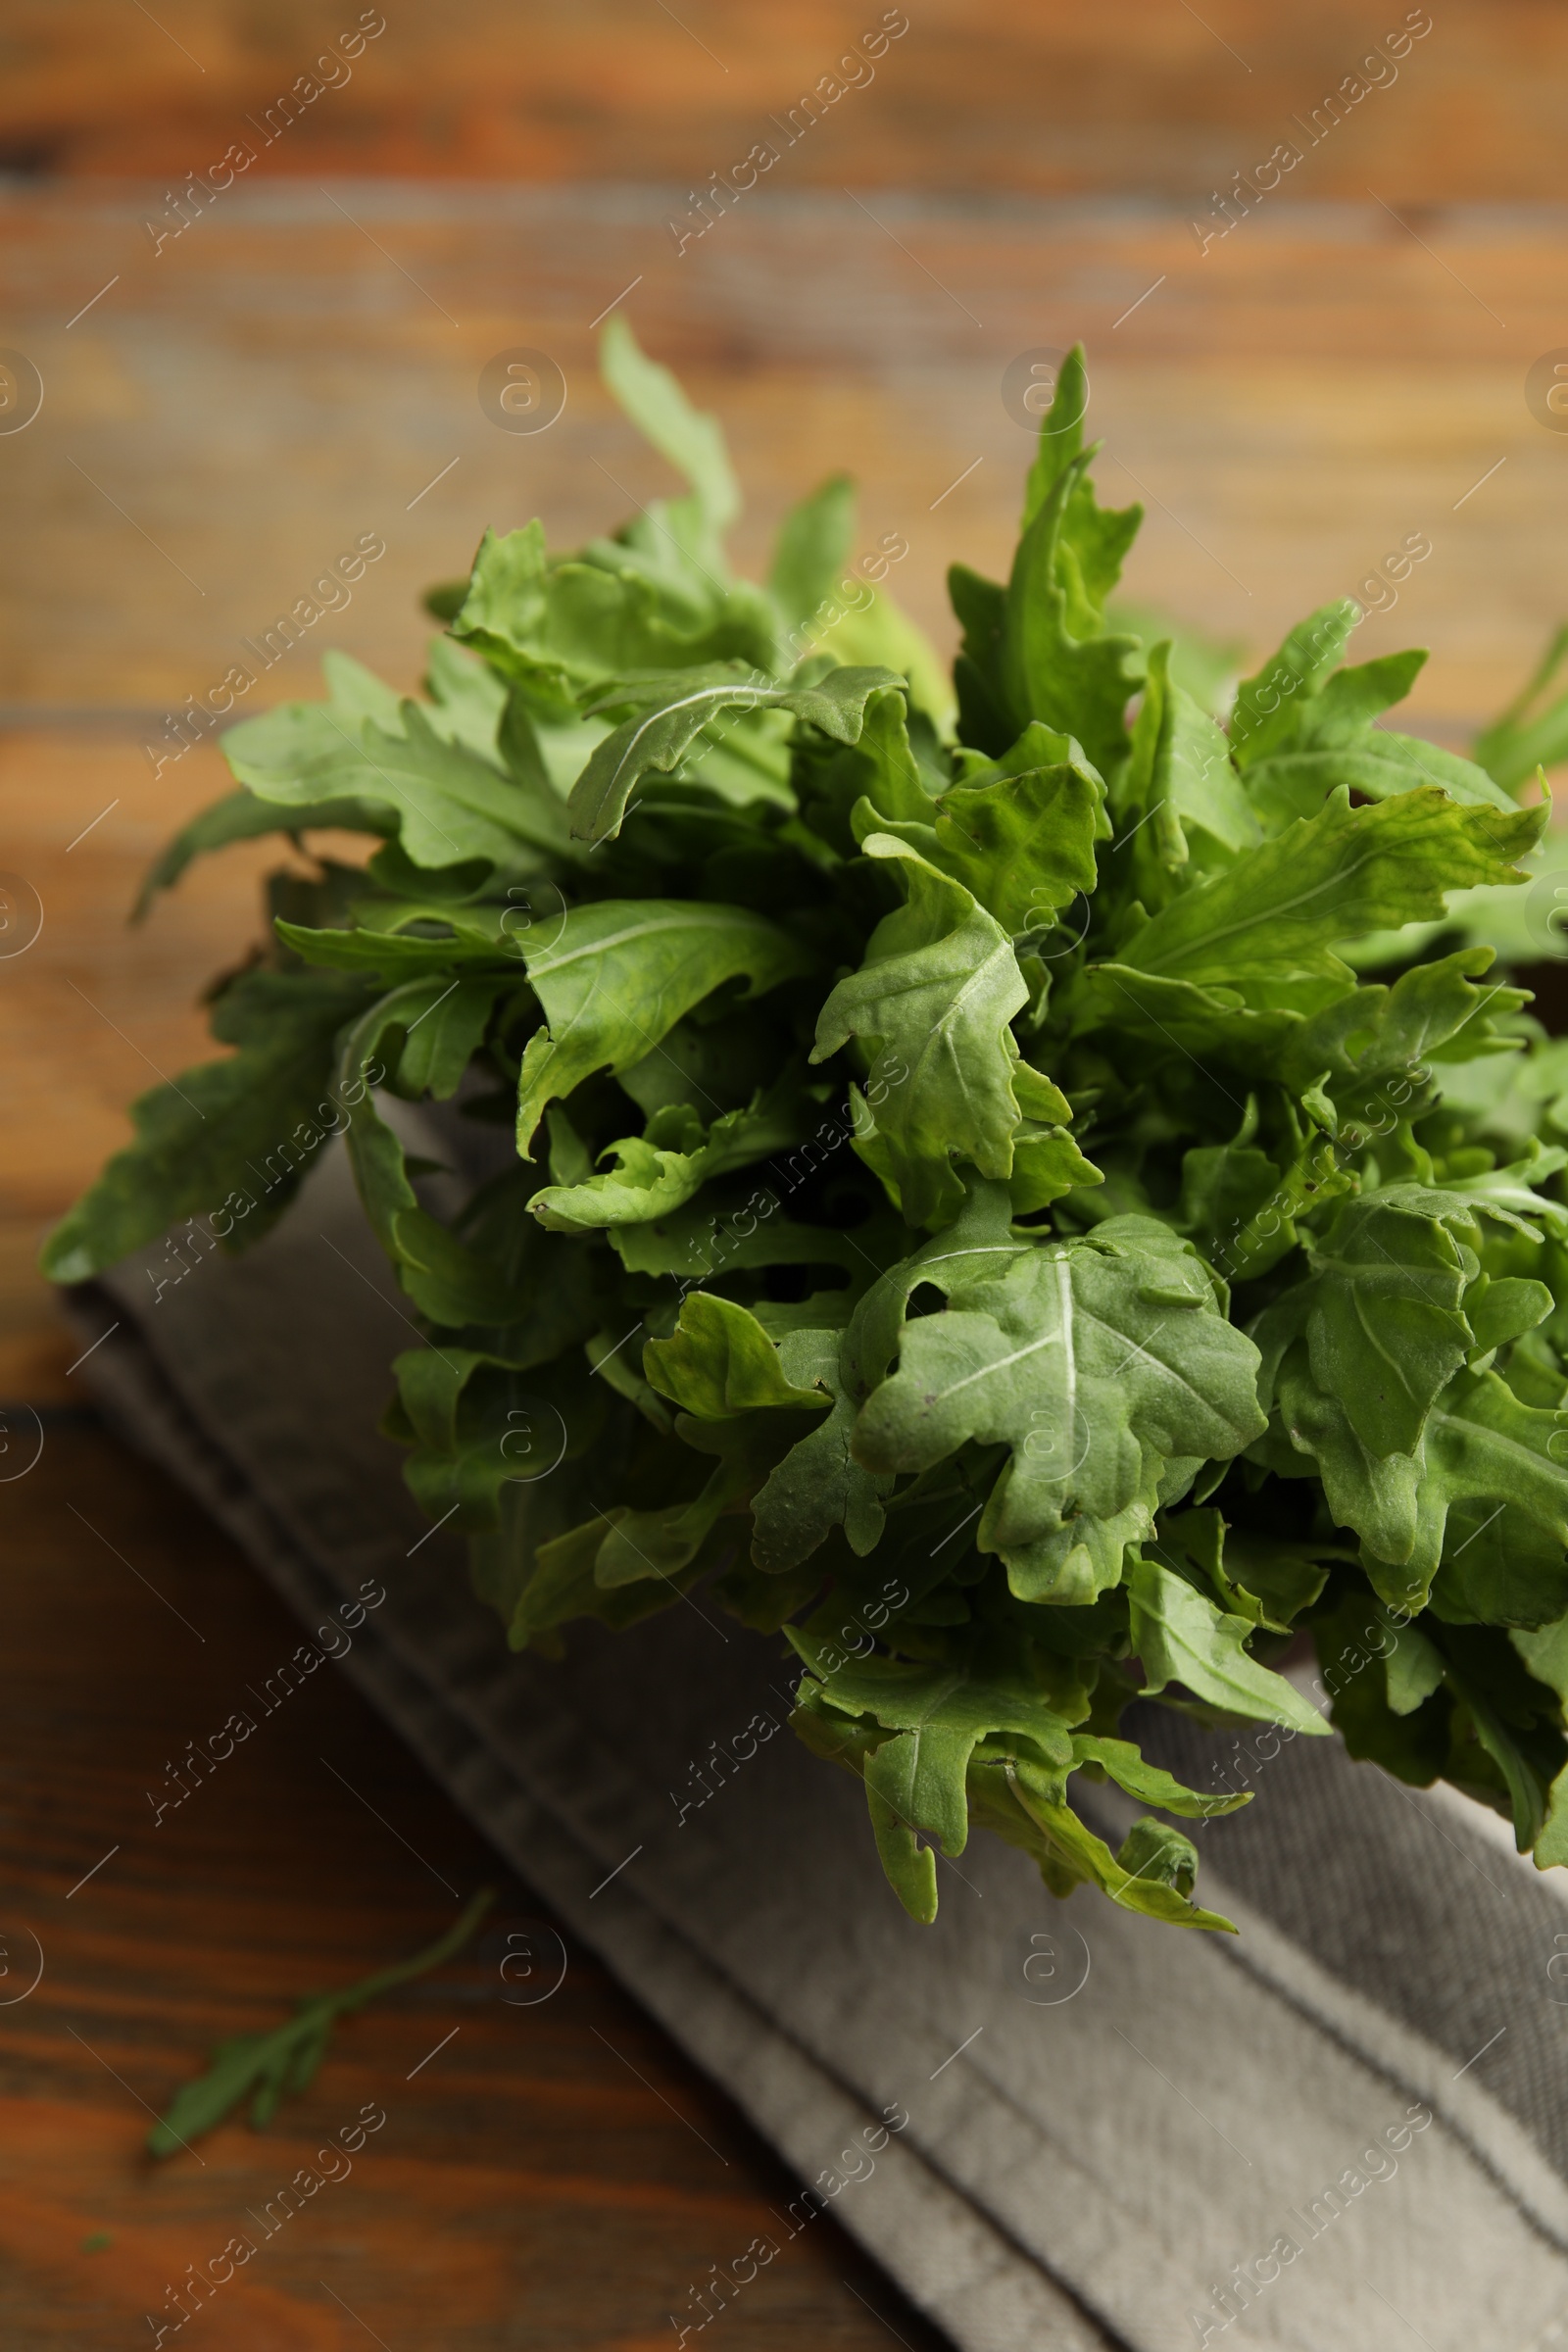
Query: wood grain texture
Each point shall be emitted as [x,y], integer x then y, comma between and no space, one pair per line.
[1149,97]
[94,1012]
[527,2186]
[302,365]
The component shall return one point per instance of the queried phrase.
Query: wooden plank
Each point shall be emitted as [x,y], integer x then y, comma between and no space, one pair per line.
[95,1012]
[526,2185]
[235,412]
[1043,95]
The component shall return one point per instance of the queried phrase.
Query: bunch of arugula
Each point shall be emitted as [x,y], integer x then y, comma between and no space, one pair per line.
[965,1210]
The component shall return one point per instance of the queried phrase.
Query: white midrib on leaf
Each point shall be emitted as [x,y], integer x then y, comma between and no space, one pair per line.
[693,918]
[1063,1337]
[689,702]
[1337,882]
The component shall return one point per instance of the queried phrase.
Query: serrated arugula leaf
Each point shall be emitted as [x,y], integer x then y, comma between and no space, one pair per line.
[925,1349]
[1122,1762]
[1020,836]
[469,703]
[230,1137]
[1325,738]
[561,629]
[1179,782]
[475,1424]
[931,1005]
[1057,662]
[446,804]
[452,1282]
[1278,912]
[1103,1366]
[1183,1638]
[1480,1447]
[1266,705]
[660,1170]
[1381,1310]
[820,1485]
[672,716]
[614,978]
[719,1363]
[241,817]
[1071,1854]
[280,2064]
[938,1715]
[1373,1033]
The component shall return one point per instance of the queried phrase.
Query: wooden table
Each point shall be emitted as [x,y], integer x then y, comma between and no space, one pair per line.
[549,2175]
[221,416]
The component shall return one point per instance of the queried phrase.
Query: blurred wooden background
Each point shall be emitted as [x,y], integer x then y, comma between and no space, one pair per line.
[227,410]
[1142,98]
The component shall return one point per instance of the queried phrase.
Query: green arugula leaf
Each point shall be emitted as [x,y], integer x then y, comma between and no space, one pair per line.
[1181,1637]
[1057,662]
[675,713]
[445,803]
[1020,834]
[692,441]
[720,1362]
[284,2062]
[228,1138]
[916,1781]
[1103,1366]
[932,1002]
[1179,781]
[1277,912]
[241,817]
[614,978]
[820,1485]
[811,547]
[660,1170]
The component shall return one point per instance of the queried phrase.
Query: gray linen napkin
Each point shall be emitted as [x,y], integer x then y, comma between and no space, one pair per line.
[1347,2128]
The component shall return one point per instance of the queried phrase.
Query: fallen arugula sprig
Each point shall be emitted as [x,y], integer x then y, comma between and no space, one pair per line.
[1036,1201]
[280,2064]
